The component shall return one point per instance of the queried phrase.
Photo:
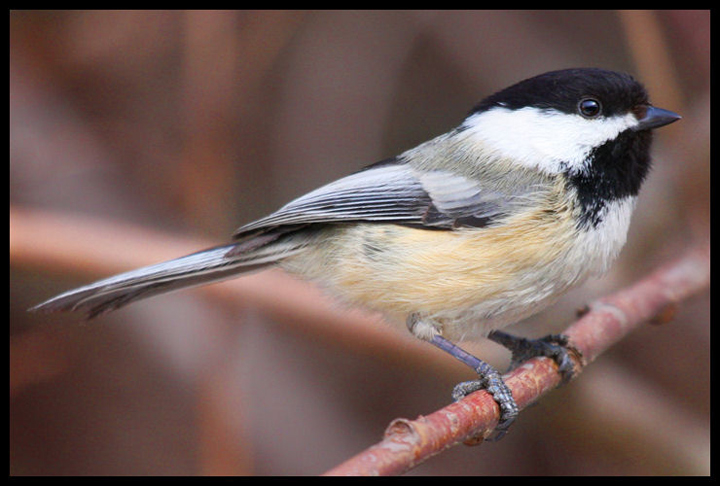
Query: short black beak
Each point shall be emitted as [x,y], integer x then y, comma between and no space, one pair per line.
[655,118]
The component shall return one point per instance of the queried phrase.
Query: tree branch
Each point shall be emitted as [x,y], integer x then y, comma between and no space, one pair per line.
[607,320]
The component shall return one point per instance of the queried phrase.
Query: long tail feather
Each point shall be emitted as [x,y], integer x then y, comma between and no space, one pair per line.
[213,264]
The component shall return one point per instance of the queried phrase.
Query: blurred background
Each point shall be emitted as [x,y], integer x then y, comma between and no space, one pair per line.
[137,136]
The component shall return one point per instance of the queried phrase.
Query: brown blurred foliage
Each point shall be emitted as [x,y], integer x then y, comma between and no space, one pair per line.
[193,123]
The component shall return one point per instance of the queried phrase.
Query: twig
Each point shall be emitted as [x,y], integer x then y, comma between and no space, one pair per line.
[410,442]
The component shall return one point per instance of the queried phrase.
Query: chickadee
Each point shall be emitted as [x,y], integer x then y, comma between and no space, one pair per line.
[462,235]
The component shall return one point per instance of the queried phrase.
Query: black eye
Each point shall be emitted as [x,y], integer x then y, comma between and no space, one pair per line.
[589,108]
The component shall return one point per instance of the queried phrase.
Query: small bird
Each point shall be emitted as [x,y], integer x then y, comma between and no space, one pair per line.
[462,235]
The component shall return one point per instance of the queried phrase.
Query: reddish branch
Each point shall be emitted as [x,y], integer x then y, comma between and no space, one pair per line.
[409,442]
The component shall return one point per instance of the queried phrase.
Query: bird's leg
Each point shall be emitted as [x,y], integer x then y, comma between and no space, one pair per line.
[554,346]
[489,378]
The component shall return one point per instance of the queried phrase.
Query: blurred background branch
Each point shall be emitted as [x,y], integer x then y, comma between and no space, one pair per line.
[193,123]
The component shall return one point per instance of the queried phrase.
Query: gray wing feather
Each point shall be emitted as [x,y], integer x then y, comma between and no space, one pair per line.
[393,193]
[388,193]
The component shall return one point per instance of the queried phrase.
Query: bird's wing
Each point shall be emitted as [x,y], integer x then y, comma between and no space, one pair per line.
[393,192]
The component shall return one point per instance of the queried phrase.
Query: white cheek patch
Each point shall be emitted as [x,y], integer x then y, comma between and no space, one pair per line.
[543,139]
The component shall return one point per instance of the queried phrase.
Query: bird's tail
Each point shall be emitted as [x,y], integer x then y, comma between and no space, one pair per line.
[211,265]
